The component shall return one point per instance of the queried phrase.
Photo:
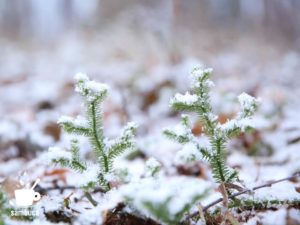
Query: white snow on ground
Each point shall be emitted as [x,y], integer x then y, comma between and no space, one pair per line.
[56,153]
[87,176]
[180,191]
[130,84]
[277,217]
[188,153]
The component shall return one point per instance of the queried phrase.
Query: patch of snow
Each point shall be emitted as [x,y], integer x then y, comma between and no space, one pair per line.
[281,191]
[82,179]
[41,139]
[274,217]
[252,221]
[294,214]
[179,190]
[189,153]
[49,203]
[10,131]
[180,130]
[96,215]
[57,153]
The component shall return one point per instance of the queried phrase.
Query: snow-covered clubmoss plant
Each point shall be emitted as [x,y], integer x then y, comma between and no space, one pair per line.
[218,134]
[105,151]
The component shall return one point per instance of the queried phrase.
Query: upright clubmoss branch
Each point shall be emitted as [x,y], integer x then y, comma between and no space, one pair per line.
[93,94]
[218,134]
[97,137]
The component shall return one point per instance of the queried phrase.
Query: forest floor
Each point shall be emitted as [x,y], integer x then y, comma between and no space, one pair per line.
[36,88]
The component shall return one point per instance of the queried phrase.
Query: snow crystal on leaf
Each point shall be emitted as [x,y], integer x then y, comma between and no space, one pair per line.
[152,167]
[89,89]
[243,124]
[187,98]
[212,117]
[209,83]
[248,103]
[229,125]
[132,125]
[79,121]
[246,100]
[129,129]
[81,77]
[199,75]
[96,88]
[57,153]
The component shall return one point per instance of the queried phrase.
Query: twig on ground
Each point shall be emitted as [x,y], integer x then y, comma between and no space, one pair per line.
[269,184]
[90,198]
[88,195]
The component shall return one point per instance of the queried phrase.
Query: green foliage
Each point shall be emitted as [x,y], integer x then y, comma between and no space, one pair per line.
[74,161]
[91,127]
[218,134]
[4,209]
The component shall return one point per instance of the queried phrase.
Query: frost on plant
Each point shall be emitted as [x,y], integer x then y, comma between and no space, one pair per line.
[105,152]
[198,101]
[153,167]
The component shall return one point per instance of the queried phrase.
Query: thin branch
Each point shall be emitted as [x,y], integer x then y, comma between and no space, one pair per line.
[269,184]
[90,198]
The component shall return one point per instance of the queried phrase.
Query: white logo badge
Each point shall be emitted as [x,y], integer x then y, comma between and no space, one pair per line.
[26,196]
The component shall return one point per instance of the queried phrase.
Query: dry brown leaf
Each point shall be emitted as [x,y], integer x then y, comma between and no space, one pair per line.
[60,173]
[53,129]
